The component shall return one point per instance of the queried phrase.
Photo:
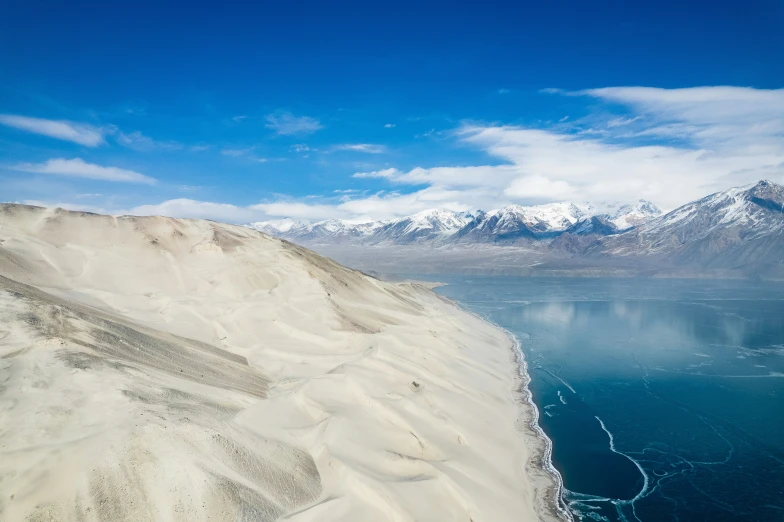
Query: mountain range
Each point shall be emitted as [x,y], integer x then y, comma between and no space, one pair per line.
[511,224]
[735,233]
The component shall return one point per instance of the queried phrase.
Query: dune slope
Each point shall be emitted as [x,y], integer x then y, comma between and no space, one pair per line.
[164,369]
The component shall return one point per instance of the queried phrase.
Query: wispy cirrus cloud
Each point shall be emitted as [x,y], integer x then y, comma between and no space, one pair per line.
[716,118]
[139,142]
[286,124]
[78,168]
[369,148]
[246,153]
[80,133]
[87,134]
[425,134]
[237,152]
[621,121]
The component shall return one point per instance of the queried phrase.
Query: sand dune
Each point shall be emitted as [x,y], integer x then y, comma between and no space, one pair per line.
[165,369]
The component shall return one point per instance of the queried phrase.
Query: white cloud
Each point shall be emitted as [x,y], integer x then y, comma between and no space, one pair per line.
[237,152]
[386,206]
[386,173]
[726,118]
[705,105]
[369,148]
[287,124]
[591,169]
[81,133]
[86,134]
[78,168]
[453,177]
[189,208]
[628,156]
[139,142]
[299,210]
[245,153]
[620,122]
[300,147]
[389,125]
[563,119]
[539,187]
[377,206]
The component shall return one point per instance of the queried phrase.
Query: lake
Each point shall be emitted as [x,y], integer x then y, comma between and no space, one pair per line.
[664,399]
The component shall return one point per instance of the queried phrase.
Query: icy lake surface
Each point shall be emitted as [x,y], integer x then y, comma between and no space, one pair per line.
[664,399]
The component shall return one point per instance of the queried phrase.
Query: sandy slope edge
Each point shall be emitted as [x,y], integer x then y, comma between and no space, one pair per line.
[545,478]
[166,369]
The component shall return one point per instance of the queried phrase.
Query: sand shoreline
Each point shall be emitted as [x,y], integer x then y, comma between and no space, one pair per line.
[553,492]
[549,487]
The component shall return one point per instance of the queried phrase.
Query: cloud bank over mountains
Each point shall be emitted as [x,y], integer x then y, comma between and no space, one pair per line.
[669,146]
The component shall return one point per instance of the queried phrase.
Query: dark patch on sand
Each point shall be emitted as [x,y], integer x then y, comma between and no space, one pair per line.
[116,341]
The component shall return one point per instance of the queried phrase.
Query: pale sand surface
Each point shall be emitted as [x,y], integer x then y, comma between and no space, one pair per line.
[166,369]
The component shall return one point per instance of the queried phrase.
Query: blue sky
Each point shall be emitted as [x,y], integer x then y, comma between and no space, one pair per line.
[250,111]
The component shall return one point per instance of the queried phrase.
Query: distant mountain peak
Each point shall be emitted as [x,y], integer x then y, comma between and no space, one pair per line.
[719,228]
[508,224]
[276,226]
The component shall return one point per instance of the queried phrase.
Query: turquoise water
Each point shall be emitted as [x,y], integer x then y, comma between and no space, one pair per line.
[664,399]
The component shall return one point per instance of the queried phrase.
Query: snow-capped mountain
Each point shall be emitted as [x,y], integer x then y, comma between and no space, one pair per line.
[609,218]
[625,217]
[725,230]
[510,224]
[276,227]
[333,230]
[427,225]
[516,223]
